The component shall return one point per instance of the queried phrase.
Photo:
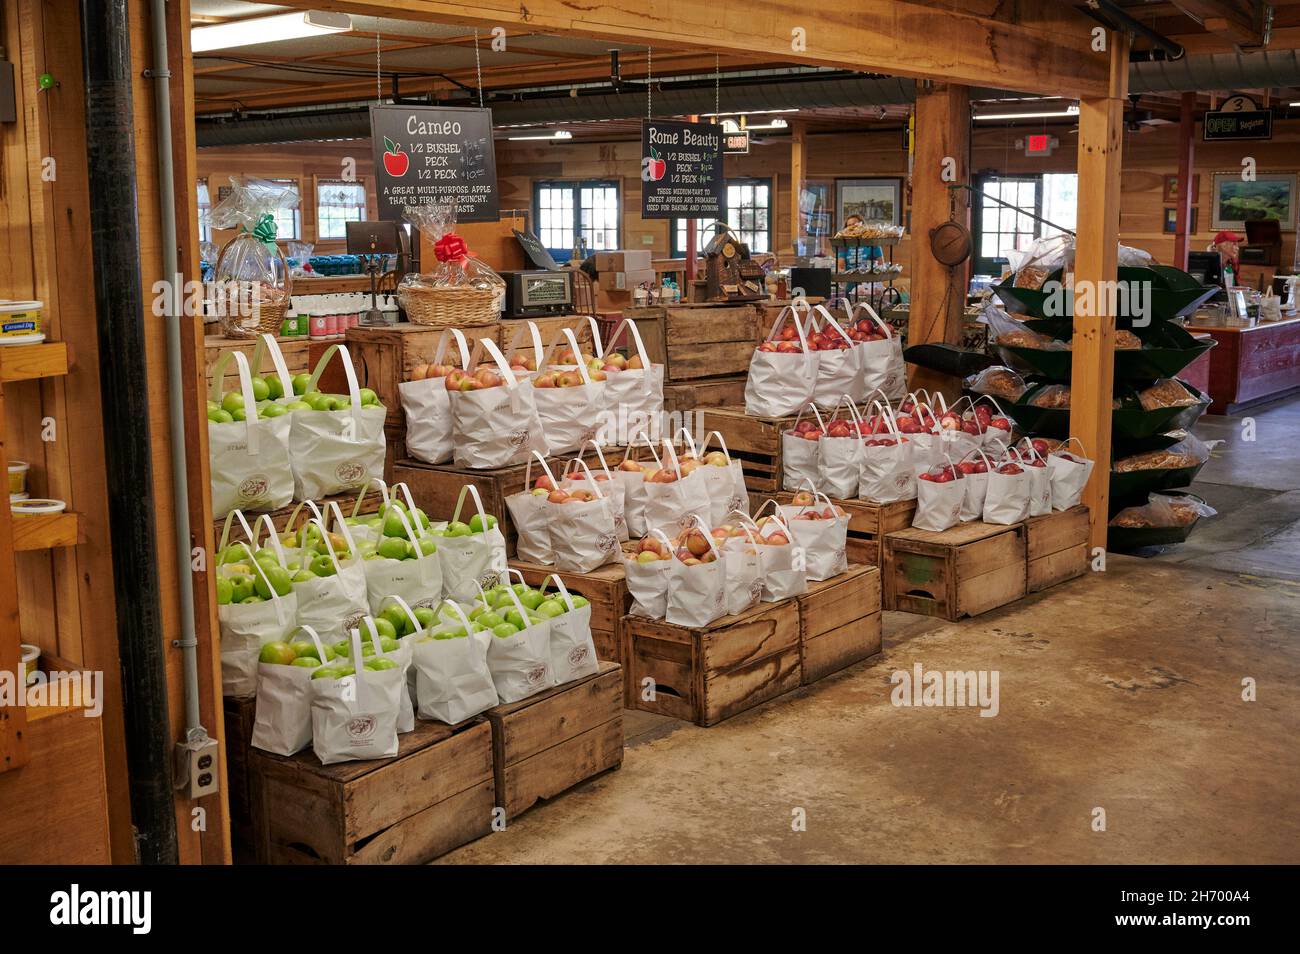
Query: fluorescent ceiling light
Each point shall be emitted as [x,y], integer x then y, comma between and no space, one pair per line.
[558,134]
[774,124]
[1053,114]
[282,26]
[753,112]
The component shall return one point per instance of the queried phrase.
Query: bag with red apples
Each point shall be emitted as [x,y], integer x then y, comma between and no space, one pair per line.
[783,372]
[570,404]
[634,387]
[355,716]
[886,474]
[990,422]
[573,651]
[520,663]
[494,415]
[647,573]
[1040,477]
[800,449]
[821,530]
[427,402]
[471,561]
[915,418]
[723,477]
[740,545]
[839,458]
[783,570]
[958,430]
[282,724]
[940,491]
[631,476]
[974,469]
[839,363]
[452,679]
[1070,473]
[583,536]
[530,515]
[675,493]
[332,452]
[880,352]
[605,480]
[1006,501]
[697,582]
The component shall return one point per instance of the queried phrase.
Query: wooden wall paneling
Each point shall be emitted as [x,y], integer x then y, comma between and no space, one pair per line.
[1186,163]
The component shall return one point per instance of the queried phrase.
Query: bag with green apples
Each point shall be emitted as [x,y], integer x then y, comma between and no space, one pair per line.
[336,443]
[452,679]
[530,515]
[330,579]
[573,651]
[282,724]
[427,404]
[494,415]
[583,534]
[520,661]
[404,561]
[248,456]
[355,707]
[473,554]
[256,605]
[606,481]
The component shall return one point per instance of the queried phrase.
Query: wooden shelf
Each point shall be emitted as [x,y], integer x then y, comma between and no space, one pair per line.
[44,531]
[25,362]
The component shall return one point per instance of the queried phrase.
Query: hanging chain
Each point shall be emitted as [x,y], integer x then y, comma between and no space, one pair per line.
[717,84]
[379,85]
[478,69]
[649,84]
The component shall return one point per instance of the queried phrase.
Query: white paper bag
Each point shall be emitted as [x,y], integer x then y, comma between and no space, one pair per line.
[402,657]
[521,664]
[573,651]
[282,724]
[427,405]
[334,605]
[647,582]
[633,483]
[938,505]
[530,515]
[839,370]
[697,595]
[824,541]
[888,474]
[570,416]
[839,459]
[604,481]
[672,506]
[1040,480]
[471,563]
[583,535]
[784,565]
[781,383]
[496,426]
[332,452]
[634,397]
[744,565]
[247,627]
[356,717]
[418,581]
[1007,499]
[248,459]
[801,449]
[975,469]
[882,362]
[1069,475]
[452,680]
[724,478]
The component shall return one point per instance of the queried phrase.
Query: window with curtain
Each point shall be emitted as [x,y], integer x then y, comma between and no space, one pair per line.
[749,213]
[288,222]
[205,209]
[338,203]
[568,212]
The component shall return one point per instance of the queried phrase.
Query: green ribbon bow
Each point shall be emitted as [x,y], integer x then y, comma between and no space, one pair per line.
[264,231]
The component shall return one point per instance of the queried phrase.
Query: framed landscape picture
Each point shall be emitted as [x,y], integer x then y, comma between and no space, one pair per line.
[1269,196]
[876,201]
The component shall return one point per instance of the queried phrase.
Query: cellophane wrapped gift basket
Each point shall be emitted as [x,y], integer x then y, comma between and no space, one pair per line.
[460,291]
[251,281]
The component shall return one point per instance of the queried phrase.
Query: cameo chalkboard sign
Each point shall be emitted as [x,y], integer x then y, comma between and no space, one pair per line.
[435,155]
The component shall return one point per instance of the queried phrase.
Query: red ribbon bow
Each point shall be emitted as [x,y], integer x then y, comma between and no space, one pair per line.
[451,248]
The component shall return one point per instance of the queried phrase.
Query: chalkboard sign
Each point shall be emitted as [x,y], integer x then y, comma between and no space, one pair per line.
[1242,124]
[537,252]
[681,170]
[435,155]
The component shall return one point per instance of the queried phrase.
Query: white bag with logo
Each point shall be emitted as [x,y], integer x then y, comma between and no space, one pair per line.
[785,566]
[496,426]
[839,370]
[418,580]
[938,504]
[604,481]
[282,724]
[1040,479]
[248,459]
[634,397]
[780,383]
[427,404]
[883,367]
[633,483]
[647,583]
[573,651]
[744,565]
[975,486]
[583,534]
[570,416]
[402,658]
[824,539]
[697,595]
[839,458]
[530,515]
[887,474]
[1070,473]
[1007,499]
[333,604]
[724,478]
[452,679]
[355,717]
[521,664]
[800,453]
[336,451]
[474,562]
[671,506]
[247,627]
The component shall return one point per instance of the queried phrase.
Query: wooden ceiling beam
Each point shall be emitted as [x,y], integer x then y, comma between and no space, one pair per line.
[1224,18]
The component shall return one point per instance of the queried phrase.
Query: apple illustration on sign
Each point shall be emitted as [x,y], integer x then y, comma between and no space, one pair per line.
[654,167]
[396,162]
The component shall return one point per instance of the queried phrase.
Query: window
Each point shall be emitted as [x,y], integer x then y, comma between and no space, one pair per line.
[338,203]
[999,230]
[749,213]
[205,209]
[288,222]
[566,213]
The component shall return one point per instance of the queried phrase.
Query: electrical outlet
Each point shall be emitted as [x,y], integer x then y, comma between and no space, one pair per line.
[197,772]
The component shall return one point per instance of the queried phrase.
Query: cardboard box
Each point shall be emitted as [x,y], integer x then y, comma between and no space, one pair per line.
[626,281]
[623,260]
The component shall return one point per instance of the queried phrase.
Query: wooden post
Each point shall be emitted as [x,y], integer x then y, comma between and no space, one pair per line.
[1186,155]
[688,276]
[1101,140]
[798,172]
[938,295]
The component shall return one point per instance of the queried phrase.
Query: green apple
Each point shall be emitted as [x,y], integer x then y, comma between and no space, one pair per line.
[421,517]
[328,672]
[213,406]
[396,503]
[455,633]
[384,627]
[261,390]
[477,611]
[389,645]
[253,599]
[323,566]
[300,383]
[425,616]
[306,662]
[531,598]
[278,653]
[378,664]
[275,387]
[218,415]
[273,410]
[305,648]
[578,601]
[298,406]
[232,401]
[303,576]
[428,546]
[368,396]
[393,525]
[516,619]
[490,620]
[549,609]
[242,588]
[458,529]
[476,523]
[393,548]
[225,591]
[503,630]
[238,414]
[276,579]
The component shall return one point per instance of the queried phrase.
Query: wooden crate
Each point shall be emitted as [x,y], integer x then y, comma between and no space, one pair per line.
[605,588]
[548,328]
[868,523]
[435,487]
[296,351]
[710,674]
[550,742]
[280,518]
[239,717]
[712,392]
[967,570]
[697,340]
[436,794]
[754,441]
[839,622]
[1056,547]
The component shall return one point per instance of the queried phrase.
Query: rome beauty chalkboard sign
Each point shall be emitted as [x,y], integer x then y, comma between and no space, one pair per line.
[435,155]
[681,170]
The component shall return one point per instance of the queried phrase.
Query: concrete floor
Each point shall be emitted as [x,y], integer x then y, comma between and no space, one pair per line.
[1120,691]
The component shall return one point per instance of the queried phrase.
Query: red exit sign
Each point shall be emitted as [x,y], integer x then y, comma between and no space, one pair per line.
[1039,144]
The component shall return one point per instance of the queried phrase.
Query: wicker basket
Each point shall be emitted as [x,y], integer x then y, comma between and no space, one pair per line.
[452,307]
[266,316]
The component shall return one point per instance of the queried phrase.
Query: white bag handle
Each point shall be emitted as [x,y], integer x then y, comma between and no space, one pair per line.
[810,406]
[406,608]
[528,475]
[821,309]
[315,638]
[776,516]
[539,351]
[344,530]
[358,663]
[573,343]
[508,376]
[698,524]
[887,414]
[793,309]
[1083,451]
[478,504]
[559,585]
[350,433]
[365,491]
[514,597]
[871,313]
[646,366]
[276,600]
[590,479]
[845,400]
[704,448]
[338,564]
[600,455]
[267,343]
[459,612]
[245,390]
[463,346]
[688,442]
